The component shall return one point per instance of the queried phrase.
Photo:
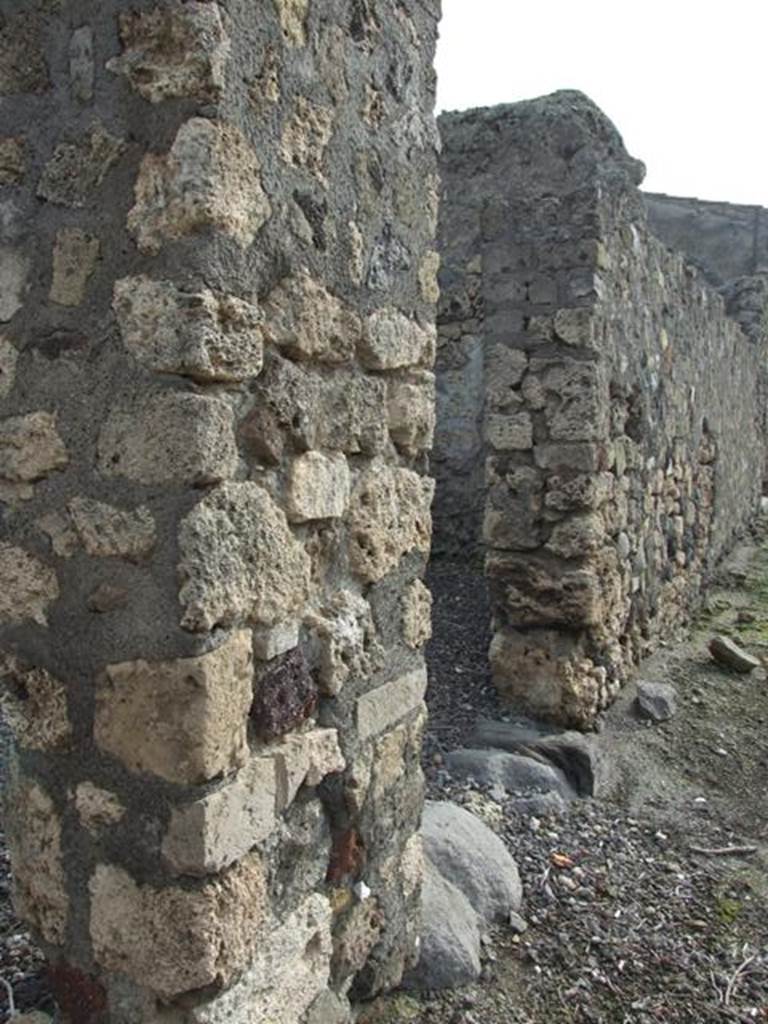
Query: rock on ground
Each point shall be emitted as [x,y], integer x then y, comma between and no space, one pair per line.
[656,701]
[728,653]
[514,772]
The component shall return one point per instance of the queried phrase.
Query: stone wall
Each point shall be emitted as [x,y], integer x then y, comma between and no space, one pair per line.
[622,424]
[217,298]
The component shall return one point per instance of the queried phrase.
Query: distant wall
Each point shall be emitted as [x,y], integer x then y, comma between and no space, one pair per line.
[622,436]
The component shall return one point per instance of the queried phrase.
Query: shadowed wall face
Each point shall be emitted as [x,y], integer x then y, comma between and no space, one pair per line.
[620,408]
[217,298]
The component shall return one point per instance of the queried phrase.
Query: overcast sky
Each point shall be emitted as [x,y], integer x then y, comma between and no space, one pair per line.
[685,82]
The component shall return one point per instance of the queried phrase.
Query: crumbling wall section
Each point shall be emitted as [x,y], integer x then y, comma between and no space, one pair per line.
[622,422]
[217,304]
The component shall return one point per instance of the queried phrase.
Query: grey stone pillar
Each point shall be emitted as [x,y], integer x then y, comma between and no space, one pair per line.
[216,334]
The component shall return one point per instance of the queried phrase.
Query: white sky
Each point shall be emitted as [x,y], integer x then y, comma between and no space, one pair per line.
[685,81]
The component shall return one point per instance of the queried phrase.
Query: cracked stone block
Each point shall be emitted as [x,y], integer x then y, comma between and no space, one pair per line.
[34,842]
[182,720]
[239,560]
[305,136]
[285,696]
[308,322]
[171,437]
[381,708]
[176,940]
[77,169]
[30,447]
[13,160]
[318,487]
[174,50]
[29,586]
[97,808]
[344,638]
[9,356]
[388,516]
[105,531]
[209,180]
[417,614]
[75,255]
[206,335]
[14,270]
[391,340]
[411,413]
[34,703]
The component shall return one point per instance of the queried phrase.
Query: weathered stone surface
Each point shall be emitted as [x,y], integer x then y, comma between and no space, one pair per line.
[270,642]
[239,560]
[208,835]
[328,1008]
[293,14]
[318,487]
[78,168]
[9,357]
[656,701]
[74,260]
[285,696]
[30,447]
[411,413]
[183,720]
[304,319]
[34,842]
[105,531]
[22,61]
[206,335]
[306,134]
[179,49]
[305,758]
[288,973]
[13,160]
[389,515]
[97,808]
[512,772]
[473,858]
[428,269]
[578,536]
[209,180]
[170,437]
[14,270]
[728,653]
[511,432]
[81,64]
[174,940]
[450,937]
[29,586]
[391,340]
[345,640]
[379,709]
[34,703]
[417,614]
[354,937]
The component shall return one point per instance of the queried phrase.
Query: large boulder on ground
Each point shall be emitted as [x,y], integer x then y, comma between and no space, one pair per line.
[656,702]
[450,936]
[473,859]
[515,773]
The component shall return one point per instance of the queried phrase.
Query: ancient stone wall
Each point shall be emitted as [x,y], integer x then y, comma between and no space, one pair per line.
[622,425]
[217,297]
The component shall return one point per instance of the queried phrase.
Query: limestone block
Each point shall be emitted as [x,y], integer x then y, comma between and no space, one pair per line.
[74,260]
[577,457]
[305,136]
[354,936]
[105,531]
[209,180]
[97,808]
[22,62]
[576,327]
[578,536]
[428,269]
[14,270]
[206,335]
[63,536]
[34,703]
[81,64]
[381,708]
[389,515]
[208,835]
[77,169]
[293,15]
[303,318]
[575,410]
[509,432]
[177,49]
[271,642]
[239,560]
[411,413]
[417,614]
[345,640]
[30,447]
[174,940]
[13,160]
[285,977]
[318,487]
[406,870]
[537,593]
[513,511]
[305,758]
[505,369]
[391,340]
[29,586]
[182,720]
[9,356]
[171,437]
[34,843]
